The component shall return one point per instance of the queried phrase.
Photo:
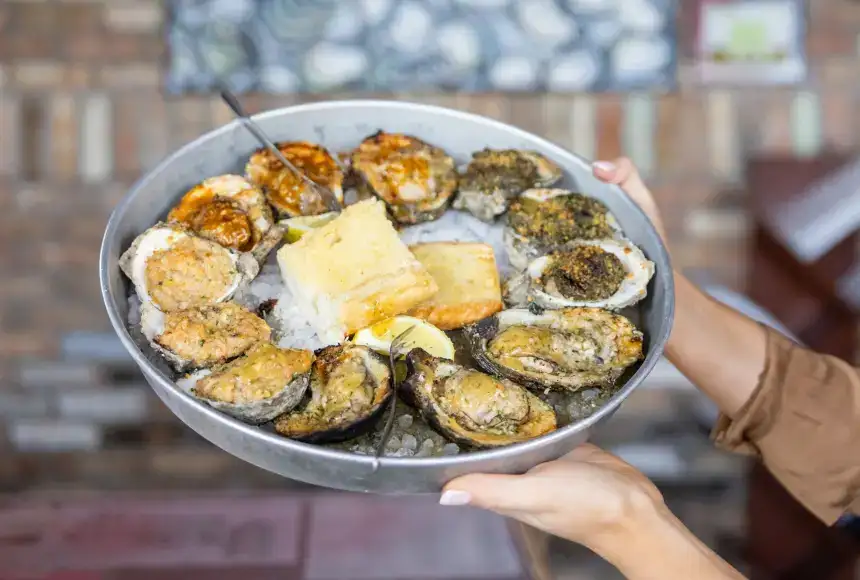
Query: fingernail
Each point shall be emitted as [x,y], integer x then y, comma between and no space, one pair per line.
[606,166]
[454,497]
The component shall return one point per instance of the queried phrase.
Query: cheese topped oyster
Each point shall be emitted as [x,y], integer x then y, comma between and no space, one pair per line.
[256,387]
[541,221]
[287,192]
[472,408]
[349,387]
[494,177]
[231,211]
[174,269]
[202,336]
[415,179]
[611,274]
[567,349]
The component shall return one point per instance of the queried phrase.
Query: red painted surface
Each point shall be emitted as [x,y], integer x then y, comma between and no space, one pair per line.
[216,532]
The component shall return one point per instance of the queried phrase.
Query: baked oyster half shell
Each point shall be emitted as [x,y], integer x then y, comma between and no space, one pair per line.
[349,387]
[202,336]
[287,192]
[232,211]
[611,274]
[567,349]
[174,269]
[415,179]
[472,408]
[496,176]
[541,221]
[258,386]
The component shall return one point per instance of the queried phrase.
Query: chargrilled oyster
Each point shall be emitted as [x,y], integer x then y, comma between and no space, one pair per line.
[494,177]
[256,387]
[472,408]
[202,336]
[349,387]
[288,193]
[611,274]
[229,210]
[415,180]
[541,221]
[174,269]
[559,349]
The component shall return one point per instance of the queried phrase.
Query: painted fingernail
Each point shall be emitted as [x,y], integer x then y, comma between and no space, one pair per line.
[454,497]
[604,166]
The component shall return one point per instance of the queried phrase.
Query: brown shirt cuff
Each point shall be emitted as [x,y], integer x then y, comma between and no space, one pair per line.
[803,421]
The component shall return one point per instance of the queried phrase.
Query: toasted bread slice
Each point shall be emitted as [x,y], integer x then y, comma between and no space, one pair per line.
[353,271]
[468,280]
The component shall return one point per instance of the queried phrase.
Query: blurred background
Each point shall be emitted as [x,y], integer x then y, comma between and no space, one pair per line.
[743,117]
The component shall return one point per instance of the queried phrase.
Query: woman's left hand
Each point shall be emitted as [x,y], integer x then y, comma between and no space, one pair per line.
[581,497]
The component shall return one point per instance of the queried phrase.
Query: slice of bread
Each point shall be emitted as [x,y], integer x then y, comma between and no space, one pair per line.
[353,272]
[468,280]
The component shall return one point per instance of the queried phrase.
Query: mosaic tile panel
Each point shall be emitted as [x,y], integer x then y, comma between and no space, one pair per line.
[298,46]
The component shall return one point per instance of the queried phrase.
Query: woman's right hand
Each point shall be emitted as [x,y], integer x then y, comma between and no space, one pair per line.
[623,173]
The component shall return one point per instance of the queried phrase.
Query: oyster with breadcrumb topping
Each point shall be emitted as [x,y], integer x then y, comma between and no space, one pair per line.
[263,383]
[173,269]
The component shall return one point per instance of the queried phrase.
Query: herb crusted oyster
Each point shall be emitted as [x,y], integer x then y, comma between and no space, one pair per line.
[258,386]
[349,386]
[541,221]
[472,408]
[567,349]
[496,176]
[611,274]
[415,179]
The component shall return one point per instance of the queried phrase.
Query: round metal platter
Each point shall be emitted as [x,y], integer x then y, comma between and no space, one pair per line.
[340,126]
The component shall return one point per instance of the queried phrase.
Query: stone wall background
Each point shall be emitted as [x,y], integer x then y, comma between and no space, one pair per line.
[82,115]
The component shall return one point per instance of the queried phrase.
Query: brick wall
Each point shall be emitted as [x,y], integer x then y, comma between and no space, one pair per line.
[82,114]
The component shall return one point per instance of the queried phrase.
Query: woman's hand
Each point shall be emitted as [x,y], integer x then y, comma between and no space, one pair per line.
[582,497]
[623,173]
[595,499]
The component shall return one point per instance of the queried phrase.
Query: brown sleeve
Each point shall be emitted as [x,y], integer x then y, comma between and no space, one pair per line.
[803,420]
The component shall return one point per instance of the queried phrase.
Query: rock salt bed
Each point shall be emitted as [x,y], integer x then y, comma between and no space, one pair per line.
[410,437]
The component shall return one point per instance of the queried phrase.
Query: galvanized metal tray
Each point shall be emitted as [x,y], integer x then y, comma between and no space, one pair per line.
[341,125]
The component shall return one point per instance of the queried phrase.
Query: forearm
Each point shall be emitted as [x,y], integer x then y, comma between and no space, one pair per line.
[720,350]
[658,546]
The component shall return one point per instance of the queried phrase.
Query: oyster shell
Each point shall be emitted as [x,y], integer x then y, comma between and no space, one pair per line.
[415,179]
[286,191]
[541,221]
[565,349]
[202,336]
[173,269]
[472,408]
[496,176]
[256,387]
[611,274]
[349,387]
[229,210]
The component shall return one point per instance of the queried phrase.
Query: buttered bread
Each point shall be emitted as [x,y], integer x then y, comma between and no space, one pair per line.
[468,281]
[354,271]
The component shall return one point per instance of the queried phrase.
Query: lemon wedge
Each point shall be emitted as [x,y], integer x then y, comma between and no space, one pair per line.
[299,226]
[423,335]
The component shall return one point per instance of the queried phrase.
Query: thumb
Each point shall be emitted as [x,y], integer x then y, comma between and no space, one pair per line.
[498,493]
[623,173]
